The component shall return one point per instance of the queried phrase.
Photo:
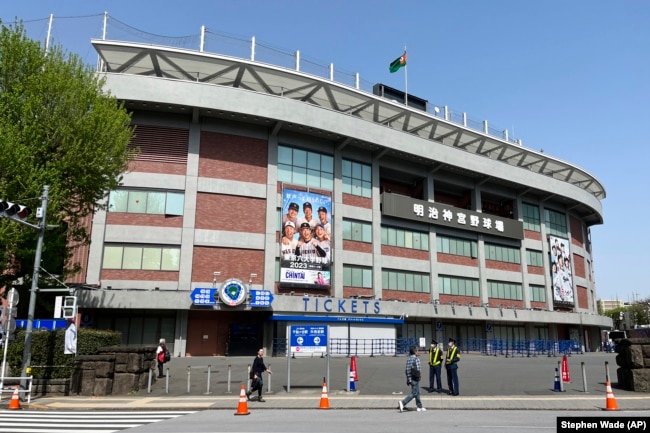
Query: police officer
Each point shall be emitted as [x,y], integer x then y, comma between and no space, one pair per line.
[451,364]
[435,366]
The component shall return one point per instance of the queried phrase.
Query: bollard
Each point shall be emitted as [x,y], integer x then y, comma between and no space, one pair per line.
[228,391]
[347,378]
[268,377]
[167,381]
[209,372]
[248,379]
[607,371]
[584,377]
[149,382]
[559,368]
[188,379]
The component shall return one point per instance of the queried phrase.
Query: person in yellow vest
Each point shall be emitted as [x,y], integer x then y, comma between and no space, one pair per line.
[435,366]
[451,364]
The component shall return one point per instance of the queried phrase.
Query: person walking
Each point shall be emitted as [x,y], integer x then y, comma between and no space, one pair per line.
[161,352]
[435,366]
[70,343]
[413,375]
[256,375]
[451,364]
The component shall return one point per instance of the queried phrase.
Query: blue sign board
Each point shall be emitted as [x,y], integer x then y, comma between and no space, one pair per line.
[203,296]
[43,324]
[261,298]
[308,338]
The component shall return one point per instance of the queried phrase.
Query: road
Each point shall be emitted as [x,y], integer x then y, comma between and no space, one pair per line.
[298,421]
[80,421]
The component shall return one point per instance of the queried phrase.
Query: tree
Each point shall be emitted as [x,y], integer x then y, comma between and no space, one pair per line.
[58,127]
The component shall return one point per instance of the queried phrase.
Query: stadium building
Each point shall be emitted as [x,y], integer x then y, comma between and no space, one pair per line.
[264,196]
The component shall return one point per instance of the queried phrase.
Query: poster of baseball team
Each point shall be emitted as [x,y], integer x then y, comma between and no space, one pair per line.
[305,251]
[561,274]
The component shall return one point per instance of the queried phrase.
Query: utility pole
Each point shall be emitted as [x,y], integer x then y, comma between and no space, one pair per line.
[27,351]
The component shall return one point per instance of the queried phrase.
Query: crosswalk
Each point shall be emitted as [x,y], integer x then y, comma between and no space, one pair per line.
[80,421]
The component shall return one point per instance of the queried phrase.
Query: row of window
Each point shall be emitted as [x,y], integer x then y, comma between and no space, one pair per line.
[168,259]
[172,203]
[312,169]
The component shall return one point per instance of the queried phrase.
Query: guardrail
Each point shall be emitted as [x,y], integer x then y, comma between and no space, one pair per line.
[9,386]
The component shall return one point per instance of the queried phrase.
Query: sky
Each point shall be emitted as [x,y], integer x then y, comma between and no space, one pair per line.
[571,78]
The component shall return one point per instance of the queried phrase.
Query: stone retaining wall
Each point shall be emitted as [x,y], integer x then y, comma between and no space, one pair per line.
[633,360]
[114,371]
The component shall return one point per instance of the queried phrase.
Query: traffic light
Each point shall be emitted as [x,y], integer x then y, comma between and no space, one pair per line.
[13,210]
[69,307]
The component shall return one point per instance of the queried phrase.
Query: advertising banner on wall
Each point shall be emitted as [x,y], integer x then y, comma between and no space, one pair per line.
[561,273]
[305,251]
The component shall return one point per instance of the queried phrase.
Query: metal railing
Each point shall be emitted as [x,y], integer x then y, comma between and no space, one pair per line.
[211,41]
[11,384]
[400,346]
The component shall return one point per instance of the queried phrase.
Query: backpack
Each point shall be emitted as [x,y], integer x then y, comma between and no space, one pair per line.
[415,373]
[164,355]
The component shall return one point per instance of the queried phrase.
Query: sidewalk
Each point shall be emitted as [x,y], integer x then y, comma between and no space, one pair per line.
[486,382]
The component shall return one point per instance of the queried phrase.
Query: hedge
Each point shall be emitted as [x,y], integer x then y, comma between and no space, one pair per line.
[48,360]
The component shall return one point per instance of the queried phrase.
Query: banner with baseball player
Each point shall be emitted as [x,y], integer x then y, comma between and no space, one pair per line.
[305,251]
[561,274]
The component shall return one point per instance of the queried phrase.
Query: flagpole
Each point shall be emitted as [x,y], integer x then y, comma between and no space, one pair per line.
[406,81]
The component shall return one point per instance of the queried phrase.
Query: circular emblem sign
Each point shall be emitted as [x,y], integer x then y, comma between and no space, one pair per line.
[233,292]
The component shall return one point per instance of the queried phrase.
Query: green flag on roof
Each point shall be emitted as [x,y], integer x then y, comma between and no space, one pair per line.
[398,63]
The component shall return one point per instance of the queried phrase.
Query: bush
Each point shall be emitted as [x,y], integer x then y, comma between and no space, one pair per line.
[48,360]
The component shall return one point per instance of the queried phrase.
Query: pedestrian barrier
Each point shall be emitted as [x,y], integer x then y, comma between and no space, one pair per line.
[242,407]
[487,346]
[12,381]
[324,399]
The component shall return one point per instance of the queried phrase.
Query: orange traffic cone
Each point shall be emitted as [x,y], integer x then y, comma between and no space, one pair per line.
[324,400]
[242,408]
[610,401]
[15,400]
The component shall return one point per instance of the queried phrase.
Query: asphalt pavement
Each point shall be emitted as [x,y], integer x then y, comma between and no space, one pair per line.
[486,382]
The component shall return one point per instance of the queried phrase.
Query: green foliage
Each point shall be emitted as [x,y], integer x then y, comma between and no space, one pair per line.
[58,127]
[47,358]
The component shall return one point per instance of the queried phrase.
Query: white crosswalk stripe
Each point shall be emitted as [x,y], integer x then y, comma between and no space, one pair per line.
[80,421]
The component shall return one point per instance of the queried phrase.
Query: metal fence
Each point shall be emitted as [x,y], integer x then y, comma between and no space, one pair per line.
[73,33]
[400,346]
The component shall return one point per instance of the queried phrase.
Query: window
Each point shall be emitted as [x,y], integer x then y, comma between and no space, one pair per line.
[457,247]
[357,231]
[537,293]
[147,202]
[405,281]
[457,286]
[534,258]
[357,276]
[502,290]
[404,238]
[555,223]
[357,178]
[531,217]
[502,254]
[301,167]
[138,257]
